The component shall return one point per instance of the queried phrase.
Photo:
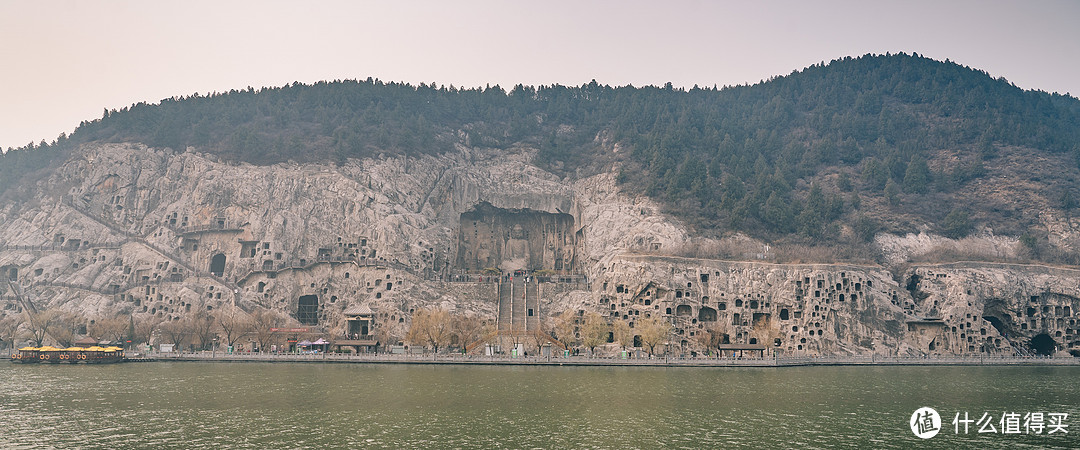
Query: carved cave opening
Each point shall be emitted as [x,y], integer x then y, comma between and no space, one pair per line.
[706,314]
[1043,344]
[996,323]
[307,310]
[217,264]
[515,239]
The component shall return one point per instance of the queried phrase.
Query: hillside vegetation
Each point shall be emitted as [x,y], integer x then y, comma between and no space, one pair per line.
[832,153]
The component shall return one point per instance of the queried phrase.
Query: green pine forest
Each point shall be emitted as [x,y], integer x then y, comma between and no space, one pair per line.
[831,153]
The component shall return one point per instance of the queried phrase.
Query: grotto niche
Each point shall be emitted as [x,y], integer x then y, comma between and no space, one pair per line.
[517,239]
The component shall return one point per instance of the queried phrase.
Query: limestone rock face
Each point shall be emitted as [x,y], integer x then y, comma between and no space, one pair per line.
[125,229]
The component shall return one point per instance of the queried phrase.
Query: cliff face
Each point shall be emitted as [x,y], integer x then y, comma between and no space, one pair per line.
[120,228]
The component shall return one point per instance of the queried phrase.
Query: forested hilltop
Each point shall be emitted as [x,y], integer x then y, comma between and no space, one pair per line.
[833,153]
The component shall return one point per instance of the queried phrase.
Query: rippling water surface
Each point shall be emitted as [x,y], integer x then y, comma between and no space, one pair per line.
[298,405]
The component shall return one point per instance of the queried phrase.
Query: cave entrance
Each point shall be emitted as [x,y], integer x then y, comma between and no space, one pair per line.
[683,311]
[217,264]
[996,323]
[1043,344]
[307,310]
[706,314]
[13,274]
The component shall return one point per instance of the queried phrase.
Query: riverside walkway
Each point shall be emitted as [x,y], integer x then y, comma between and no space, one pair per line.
[660,361]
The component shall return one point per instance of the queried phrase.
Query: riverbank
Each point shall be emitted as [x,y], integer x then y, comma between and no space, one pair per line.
[799,361]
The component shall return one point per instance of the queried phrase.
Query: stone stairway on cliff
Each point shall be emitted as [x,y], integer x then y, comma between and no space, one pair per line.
[21,298]
[504,323]
[519,316]
[532,291]
[517,289]
[518,306]
[177,259]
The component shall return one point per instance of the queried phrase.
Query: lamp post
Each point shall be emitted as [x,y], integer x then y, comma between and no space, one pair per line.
[213,351]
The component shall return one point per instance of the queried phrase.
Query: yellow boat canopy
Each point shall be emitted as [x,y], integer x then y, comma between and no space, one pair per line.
[73,349]
[29,349]
[113,349]
[95,349]
[48,349]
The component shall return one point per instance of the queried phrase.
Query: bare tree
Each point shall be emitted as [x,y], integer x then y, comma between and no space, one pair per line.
[176,332]
[145,327]
[566,328]
[9,330]
[263,323]
[624,335]
[469,330]
[594,332]
[430,327]
[109,328]
[387,334]
[542,334]
[67,330]
[44,324]
[234,325]
[713,335]
[202,327]
[653,331]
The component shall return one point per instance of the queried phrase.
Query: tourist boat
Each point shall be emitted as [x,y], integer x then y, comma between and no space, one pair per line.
[70,355]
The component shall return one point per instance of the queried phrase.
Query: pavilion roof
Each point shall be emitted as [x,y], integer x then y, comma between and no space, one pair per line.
[358,310]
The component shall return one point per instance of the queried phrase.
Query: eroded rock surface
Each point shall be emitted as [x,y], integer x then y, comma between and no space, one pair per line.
[123,229]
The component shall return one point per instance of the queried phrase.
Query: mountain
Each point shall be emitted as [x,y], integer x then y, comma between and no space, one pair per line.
[879,191]
[745,158]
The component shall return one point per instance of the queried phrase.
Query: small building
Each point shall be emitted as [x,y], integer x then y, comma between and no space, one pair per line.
[85,342]
[359,320]
[359,334]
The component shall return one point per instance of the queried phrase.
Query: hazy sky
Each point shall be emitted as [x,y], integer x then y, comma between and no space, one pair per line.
[66,61]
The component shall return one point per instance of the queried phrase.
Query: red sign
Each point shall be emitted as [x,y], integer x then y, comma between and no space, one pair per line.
[288,330]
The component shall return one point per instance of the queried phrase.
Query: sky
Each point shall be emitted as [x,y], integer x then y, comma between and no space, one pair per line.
[63,62]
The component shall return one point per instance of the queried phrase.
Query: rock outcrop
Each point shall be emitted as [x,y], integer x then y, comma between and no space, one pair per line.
[125,229]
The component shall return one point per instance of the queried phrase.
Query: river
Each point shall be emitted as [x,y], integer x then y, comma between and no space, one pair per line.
[305,405]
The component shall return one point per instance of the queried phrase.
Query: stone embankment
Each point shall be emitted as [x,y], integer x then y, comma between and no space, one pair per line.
[659,361]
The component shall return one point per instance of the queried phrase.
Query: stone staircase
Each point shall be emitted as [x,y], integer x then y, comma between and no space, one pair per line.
[506,308]
[532,305]
[175,258]
[27,305]
[518,318]
[519,306]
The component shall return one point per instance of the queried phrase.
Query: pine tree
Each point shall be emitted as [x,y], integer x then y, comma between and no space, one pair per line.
[917,176]
[892,193]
